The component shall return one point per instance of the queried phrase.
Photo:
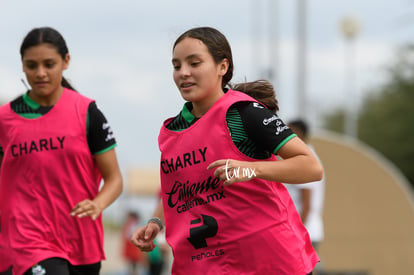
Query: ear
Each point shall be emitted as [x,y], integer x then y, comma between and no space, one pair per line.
[66,61]
[223,66]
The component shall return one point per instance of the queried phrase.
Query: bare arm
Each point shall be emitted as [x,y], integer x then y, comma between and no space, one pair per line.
[299,165]
[108,166]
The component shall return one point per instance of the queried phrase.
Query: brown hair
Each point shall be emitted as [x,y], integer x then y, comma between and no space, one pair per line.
[261,90]
[219,48]
[48,35]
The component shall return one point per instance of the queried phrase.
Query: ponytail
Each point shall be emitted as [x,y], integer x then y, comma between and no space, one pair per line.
[261,90]
[66,84]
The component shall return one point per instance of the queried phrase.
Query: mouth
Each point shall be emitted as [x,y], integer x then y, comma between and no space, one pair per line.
[41,83]
[186,85]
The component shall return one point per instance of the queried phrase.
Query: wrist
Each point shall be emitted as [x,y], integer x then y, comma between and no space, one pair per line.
[156,221]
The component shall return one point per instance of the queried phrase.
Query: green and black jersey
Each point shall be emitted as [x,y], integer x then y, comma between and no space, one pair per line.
[256,131]
[99,133]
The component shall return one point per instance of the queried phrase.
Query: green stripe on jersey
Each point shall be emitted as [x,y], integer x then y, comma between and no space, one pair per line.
[30,115]
[105,150]
[240,137]
[30,102]
[235,124]
[283,143]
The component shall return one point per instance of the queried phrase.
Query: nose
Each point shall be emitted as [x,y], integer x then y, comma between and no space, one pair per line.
[40,72]
[185,71]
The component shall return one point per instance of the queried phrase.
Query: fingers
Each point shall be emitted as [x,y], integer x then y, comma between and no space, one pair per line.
[86,208]
[222,173]
[223,170]
[143,237]
[151,231]
[217,163]
[231,171]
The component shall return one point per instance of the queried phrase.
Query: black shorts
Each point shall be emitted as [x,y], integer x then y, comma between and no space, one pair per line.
[63,267]
[7,272]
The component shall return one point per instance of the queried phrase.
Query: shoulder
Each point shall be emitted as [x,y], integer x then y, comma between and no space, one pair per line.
[263,126]
[256,117]
[255,112]
[5,107]
[93,110]
[14,102]
[77,96]
[239,96]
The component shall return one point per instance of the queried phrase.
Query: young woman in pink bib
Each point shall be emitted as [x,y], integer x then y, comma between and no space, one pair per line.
[222,201]
[55,149]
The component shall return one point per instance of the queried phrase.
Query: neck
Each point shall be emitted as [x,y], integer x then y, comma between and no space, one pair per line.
[202,107]
[47,100]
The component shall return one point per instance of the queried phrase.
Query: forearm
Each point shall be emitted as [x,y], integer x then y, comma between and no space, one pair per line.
[298,169]
[109,192]
[93,207]
[111,174]
[298,165]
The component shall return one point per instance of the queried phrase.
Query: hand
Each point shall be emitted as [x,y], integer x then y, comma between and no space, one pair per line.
[86,208]
[230,171]
[143,237]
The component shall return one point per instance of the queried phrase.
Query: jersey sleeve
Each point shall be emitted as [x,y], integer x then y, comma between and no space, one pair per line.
[264,127]
[100,135]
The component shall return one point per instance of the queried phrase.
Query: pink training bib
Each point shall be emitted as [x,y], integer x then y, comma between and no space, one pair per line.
[245,228]
[47,168]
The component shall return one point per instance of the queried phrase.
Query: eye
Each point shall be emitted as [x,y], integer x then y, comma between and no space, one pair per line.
[176,67]
[195,64]
[31,65]
[50,64]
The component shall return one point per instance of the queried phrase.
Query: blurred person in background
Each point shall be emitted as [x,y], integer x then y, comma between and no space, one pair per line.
[159,257]
[56,148]
[308,197]
[132,256]
[223,203]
